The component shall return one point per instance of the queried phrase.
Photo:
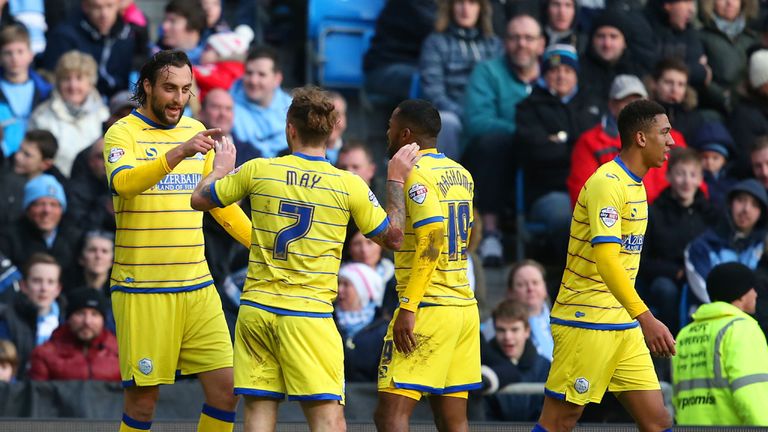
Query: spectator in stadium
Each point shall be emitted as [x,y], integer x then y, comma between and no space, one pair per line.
[669,87]
[561,24]
[260,105]
[739,237]
[527,285]
[99,31]
[183,25]
[9,361]
[511,358]
[90,200]
[462,38]
[11,191]
[759,160]
[676,37]
[214,19]
[221,63]
[81,348]
[716,146]
[75,112]
[680,214]
[749,119]
[34,157]
[555,115]
[360,249]
[601,143]
[726,39]
[608,54]
[393,57]
[719,372]
[132,14]
[42,229]
[361,291]
[336,140]
[32,314]
[356,157]
[494,90]
[21,89]
[96,252]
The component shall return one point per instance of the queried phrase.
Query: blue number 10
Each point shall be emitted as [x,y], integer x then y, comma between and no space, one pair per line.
[458,230]
[303,216]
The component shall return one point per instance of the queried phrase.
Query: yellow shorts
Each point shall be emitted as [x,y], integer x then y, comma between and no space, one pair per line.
[588,362]
[300,355]
[162,335]
[446,361]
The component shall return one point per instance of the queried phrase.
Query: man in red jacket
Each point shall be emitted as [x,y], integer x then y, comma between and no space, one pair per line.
[81,348]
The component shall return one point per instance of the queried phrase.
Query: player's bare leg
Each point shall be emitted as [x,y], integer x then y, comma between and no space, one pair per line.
[559,415]
[218,386]
[393,412]
[324,416]
[260,414]
[450,413]
[647,408]
[139,402]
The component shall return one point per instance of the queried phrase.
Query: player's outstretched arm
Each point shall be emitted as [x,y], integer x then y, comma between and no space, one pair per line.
[399,169]
[657,336]
[131,182]
[224,162]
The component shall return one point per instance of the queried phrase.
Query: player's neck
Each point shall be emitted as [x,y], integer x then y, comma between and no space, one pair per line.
[633,160]
[150,115]
[309,150]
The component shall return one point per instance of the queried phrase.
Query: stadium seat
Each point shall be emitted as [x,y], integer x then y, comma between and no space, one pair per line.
[525,230]
[339,33]
[414,91]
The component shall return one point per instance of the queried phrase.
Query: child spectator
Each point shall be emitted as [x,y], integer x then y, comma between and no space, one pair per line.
[9,361]
[679,214]
[80,349]
[33,314]
[511,358]
[21,89]
[222,61]
[34,157]
[715,145]
[361,249]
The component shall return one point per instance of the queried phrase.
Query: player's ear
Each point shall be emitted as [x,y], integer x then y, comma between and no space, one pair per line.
[640,138]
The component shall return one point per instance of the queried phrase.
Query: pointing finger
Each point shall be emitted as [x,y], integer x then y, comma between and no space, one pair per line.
[212,131]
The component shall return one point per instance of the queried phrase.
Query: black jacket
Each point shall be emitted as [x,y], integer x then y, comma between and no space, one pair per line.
[22,239]
[400,29]
[530,368]
[363,351]
[541,115]
[748,120]
[90,200]
[681,44]
[670,228]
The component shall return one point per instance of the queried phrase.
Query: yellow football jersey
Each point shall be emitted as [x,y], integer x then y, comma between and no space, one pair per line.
[439,190]
[611,207]
[300,208]
[159,240]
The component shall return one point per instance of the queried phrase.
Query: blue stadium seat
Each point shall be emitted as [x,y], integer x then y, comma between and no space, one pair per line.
[339,33]
[525,230]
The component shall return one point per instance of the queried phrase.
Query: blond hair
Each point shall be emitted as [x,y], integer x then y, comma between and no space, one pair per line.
[79,63]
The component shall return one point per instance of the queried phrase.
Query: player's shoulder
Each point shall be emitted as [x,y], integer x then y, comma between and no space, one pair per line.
[191,123]
[607,175]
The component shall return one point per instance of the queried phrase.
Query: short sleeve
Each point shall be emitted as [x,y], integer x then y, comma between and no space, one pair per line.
[605,199]
[421,201]
[365,208]
[235,185]
[118,151]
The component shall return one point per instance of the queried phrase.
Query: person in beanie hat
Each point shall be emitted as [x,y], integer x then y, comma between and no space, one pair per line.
[81,348]
[361,291]
[44,186]
[740,237]
[716,146]
[720,373]
[222,62]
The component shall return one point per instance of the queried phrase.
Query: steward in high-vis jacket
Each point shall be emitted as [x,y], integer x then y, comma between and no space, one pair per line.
[720,372]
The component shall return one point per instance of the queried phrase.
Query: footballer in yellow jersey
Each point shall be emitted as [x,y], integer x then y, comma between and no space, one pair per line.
[601,328]
[432,345]
[167,311]
[286,342]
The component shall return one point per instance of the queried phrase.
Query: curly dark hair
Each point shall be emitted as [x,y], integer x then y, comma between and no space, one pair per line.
[159,62]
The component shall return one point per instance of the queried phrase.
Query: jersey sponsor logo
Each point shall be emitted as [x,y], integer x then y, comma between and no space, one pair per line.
[178,182]
[372,199]
[580,314]
[581,385]
[417,193]
[632,242]
[151,152]
[145,366]
[115,154]
[609,216]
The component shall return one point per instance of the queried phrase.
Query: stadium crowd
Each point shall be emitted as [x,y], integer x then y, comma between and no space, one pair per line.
[528,91]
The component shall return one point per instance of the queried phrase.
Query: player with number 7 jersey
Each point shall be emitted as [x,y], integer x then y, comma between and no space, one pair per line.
[286,343]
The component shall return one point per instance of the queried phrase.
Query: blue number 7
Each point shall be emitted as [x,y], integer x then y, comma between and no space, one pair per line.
[458,230]
[303,215]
